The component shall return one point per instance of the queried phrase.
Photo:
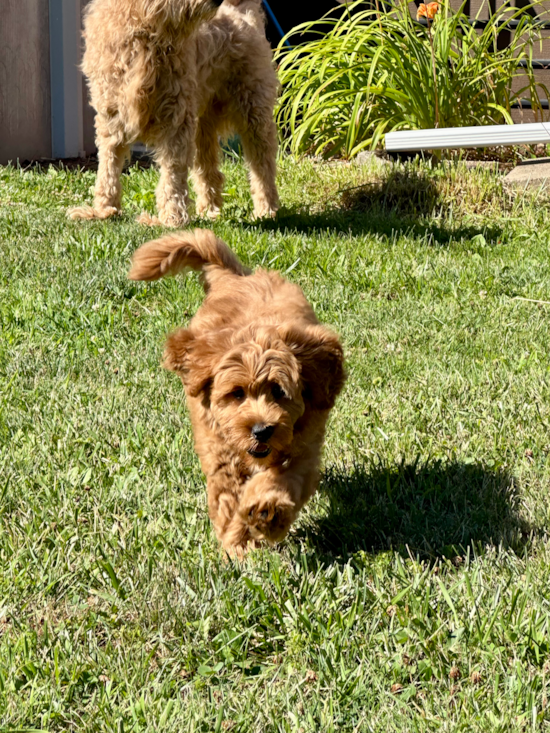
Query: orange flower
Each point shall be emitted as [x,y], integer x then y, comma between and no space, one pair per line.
[427,11]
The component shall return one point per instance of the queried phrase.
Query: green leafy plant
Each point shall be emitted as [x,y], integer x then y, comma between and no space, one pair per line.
[371,72]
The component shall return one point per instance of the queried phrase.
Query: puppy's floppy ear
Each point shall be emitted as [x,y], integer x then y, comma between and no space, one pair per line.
[321,359]
[191,357]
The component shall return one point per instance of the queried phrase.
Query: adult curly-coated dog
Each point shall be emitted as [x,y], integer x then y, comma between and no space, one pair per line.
[261,375]
[177,75]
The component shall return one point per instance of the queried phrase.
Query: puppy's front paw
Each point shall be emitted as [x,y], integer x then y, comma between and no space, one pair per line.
[267,510]
[235,552]
[208,208]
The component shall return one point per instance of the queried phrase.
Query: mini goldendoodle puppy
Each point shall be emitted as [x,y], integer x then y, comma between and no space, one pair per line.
[261,375]
[177,75]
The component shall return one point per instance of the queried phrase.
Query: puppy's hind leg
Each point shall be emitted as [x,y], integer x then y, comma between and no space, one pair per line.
[260,149]
[112,154]
[207,177]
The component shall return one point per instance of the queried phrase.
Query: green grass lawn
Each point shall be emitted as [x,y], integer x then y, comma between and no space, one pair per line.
[413,592]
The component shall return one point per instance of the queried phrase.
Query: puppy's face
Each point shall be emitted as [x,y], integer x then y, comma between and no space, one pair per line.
[255,384]
[256,399]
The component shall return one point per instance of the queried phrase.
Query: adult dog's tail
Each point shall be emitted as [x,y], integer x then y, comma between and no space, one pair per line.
[198,250]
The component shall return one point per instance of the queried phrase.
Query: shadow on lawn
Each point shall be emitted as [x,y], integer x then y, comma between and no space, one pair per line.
[377,221]
[403,201]
[431,510]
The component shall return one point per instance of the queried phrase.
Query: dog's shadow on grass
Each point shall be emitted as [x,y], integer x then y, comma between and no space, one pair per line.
[378,221]
[403,202]
[432,511]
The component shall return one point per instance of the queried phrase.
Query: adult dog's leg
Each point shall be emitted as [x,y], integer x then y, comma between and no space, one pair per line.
[112,154]
[175,156]
[207,177]
[260,150]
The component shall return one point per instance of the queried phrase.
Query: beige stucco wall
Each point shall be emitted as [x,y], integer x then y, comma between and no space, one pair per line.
[25,116]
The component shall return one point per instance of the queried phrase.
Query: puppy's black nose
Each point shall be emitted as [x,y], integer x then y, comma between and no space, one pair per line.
[217,3]
[262,432]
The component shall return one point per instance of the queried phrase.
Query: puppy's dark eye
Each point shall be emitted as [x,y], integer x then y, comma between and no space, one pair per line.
[263,515]
[238,394]
[277,392]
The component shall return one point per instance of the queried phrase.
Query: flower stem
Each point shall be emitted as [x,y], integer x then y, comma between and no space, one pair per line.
[434,74]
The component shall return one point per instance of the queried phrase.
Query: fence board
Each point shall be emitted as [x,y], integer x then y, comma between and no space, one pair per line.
[25,112]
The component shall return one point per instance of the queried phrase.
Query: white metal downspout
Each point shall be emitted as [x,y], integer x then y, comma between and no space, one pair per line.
[468,137]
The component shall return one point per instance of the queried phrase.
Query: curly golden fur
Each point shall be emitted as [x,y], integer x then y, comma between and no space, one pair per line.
[177,75]
[260,374]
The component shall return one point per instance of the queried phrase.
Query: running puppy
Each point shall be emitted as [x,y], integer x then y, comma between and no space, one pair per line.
[261,375]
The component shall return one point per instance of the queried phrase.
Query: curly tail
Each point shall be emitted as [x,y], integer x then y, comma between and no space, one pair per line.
[198,250]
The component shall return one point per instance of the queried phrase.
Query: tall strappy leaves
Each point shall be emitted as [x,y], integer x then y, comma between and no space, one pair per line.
[372,73]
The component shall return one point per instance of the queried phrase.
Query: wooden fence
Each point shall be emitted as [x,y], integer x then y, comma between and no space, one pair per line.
[44,112]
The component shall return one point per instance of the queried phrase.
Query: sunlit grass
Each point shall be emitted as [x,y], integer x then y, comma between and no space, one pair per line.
[412,594]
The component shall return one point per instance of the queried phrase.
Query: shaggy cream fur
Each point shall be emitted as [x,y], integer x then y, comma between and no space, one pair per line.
[261,375]
[177,75]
